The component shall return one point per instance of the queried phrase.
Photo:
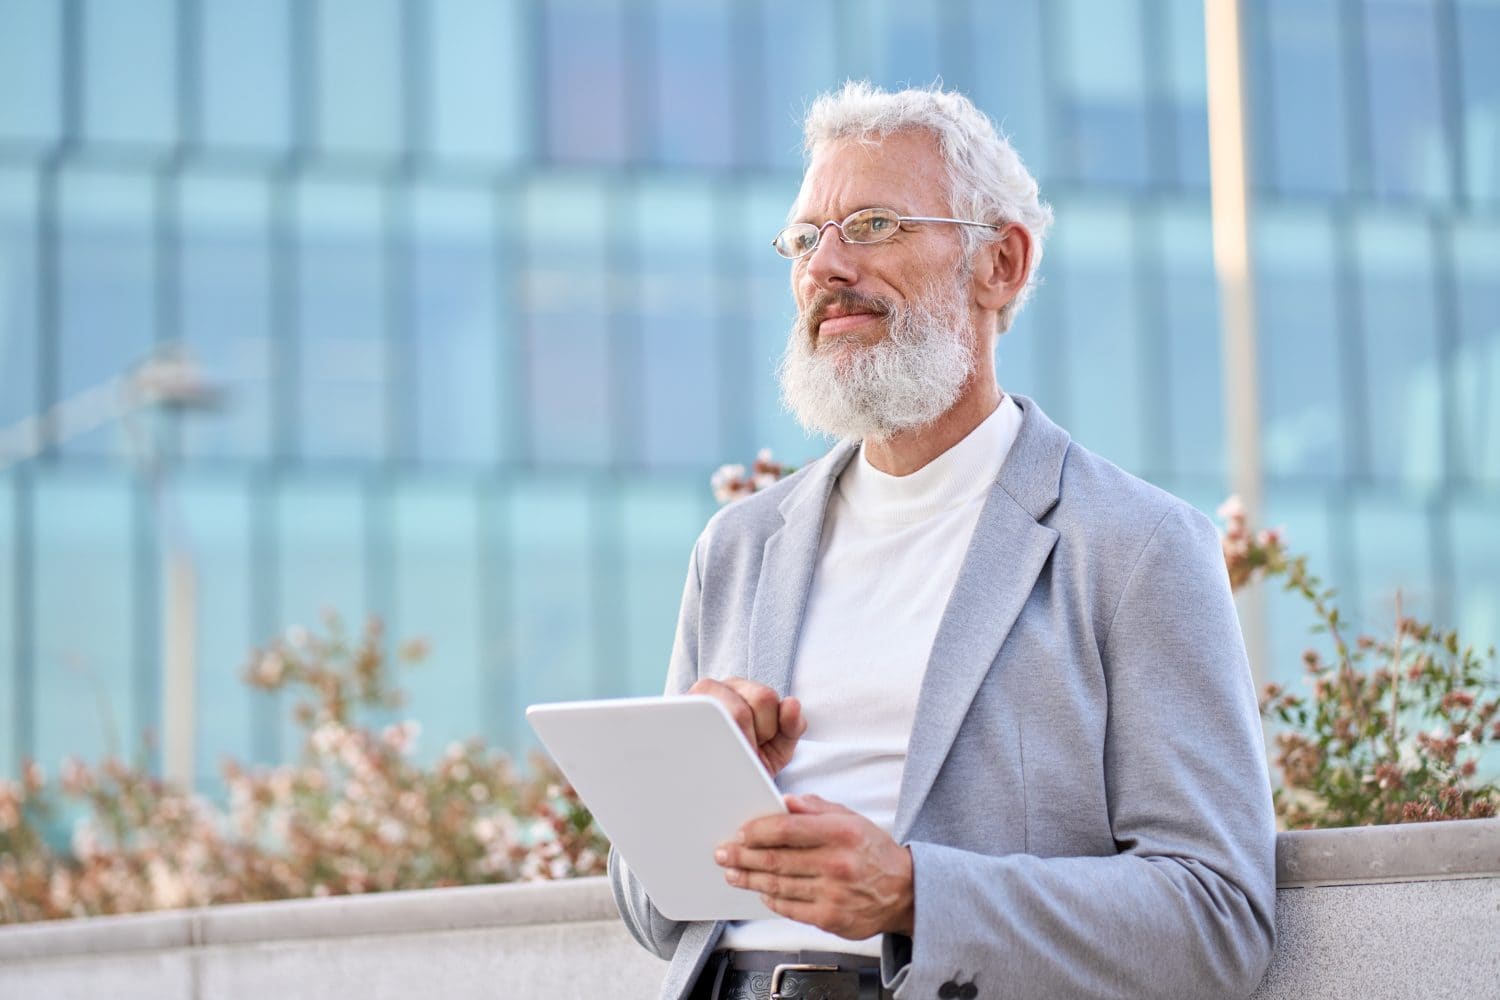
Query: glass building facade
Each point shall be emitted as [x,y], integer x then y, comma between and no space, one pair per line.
[488,287]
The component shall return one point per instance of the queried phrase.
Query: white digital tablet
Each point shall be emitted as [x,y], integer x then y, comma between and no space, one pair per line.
[667,780]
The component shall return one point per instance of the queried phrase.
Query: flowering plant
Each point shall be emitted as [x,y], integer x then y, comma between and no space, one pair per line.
[731,482]
[1393,729]
[356,814]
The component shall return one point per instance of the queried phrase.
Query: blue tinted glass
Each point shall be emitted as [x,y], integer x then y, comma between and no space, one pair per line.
[757,330]
[458,332]
[359,74]
[84,572]
[900,47]
[567,321]
[680,299]
[1010,60]
[1191,374]
[437,591]
[1403,392]
[552,587]
[1186,98]
[1093,254]
[695,64]
[9,764]
[19,281]
[1408,137]
[320,564]
[108,316]
[1103,92]
[130,72]
[1306,98]
[31,70]
[797,49]
[216,523]
[587,81]
[224,270]
[1476,552]
[658,523]
[1478,41]
[1304,517]
[1476,369]
[342,362]
[1299,360]
[479,57]
[1393,544]
[246,71]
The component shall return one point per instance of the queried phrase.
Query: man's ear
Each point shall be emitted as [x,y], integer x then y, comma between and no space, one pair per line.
[1001,267]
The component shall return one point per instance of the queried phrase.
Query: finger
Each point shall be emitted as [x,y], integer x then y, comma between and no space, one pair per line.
[791,724]
[783,887]
[794,862]
[801,831]
[814,805]
[739,711]
[764,704]
[810,912]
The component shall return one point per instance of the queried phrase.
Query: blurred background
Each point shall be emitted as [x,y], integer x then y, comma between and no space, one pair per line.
[475,294]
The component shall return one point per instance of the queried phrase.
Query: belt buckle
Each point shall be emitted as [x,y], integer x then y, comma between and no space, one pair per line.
[782,970]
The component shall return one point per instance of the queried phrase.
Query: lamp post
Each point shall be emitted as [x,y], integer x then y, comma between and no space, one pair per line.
[167,380]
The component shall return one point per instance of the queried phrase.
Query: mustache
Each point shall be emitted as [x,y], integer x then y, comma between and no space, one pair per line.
[847,300]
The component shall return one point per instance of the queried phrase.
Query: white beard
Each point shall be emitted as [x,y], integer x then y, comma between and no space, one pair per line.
[907,380]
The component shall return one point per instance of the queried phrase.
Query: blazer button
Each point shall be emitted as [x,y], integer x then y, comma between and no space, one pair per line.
[948,991]
[952,990]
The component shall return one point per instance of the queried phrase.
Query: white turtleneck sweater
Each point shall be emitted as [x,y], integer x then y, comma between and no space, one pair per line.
[889,556]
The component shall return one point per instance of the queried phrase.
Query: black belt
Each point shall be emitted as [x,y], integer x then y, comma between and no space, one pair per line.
[790,975]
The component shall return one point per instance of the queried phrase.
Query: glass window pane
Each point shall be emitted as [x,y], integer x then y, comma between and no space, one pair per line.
[341,280]
[9,667]
[107,296]
[1186,76]
[84,583]
[567,321]
[19,281]
[1303,516]
[659,522]
[1299,362]
[1103,92]
[1478,41]
[796,48]
[458,329]
[1008,49]
[245,66]
[1305,98]
[1393,554]
[479,55]
[552,582]
[320,565]
[1093,255]
[1408,138]
[224,268]
[437,592]
[31,71]
[1403,392]
[129,68]
[893,43]
[587,77]
[694,67]
[679,399]
[216,522]
[359,71]
[1476,552]
[1476,248]
[1191,379]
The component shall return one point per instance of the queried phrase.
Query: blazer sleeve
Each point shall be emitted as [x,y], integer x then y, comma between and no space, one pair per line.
[1186,908]
[656,933]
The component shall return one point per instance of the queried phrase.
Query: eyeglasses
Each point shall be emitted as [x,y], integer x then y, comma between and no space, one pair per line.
[868,225]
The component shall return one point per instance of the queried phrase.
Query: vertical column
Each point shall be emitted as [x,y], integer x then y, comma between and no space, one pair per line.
[1230,182]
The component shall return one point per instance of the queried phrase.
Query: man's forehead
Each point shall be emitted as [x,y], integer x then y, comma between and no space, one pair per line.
[902,170]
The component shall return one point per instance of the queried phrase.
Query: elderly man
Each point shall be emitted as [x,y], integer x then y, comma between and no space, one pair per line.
[999,680]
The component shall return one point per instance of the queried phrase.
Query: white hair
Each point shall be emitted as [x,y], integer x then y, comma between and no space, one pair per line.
[987,182]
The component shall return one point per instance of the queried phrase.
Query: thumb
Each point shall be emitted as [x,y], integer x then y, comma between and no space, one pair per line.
[812,805]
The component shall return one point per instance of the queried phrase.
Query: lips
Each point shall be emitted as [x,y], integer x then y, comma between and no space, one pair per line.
[839,314]
[833,326]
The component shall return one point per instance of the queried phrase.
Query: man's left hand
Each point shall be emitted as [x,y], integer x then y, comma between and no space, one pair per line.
[824,865]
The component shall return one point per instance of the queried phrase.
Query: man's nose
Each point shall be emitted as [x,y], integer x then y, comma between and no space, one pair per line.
[831,262]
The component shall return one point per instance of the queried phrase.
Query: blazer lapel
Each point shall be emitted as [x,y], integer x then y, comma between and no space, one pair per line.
[786,572]
[1005,557]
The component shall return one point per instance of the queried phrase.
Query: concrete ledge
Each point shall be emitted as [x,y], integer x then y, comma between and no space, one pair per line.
[1409,852]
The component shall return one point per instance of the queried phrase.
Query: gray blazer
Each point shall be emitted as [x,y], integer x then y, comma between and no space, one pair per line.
[1085,794]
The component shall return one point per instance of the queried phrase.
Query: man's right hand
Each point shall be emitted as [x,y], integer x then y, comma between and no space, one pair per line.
[771,724]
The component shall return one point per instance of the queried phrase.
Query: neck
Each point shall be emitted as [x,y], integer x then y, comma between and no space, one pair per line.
[907,451]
